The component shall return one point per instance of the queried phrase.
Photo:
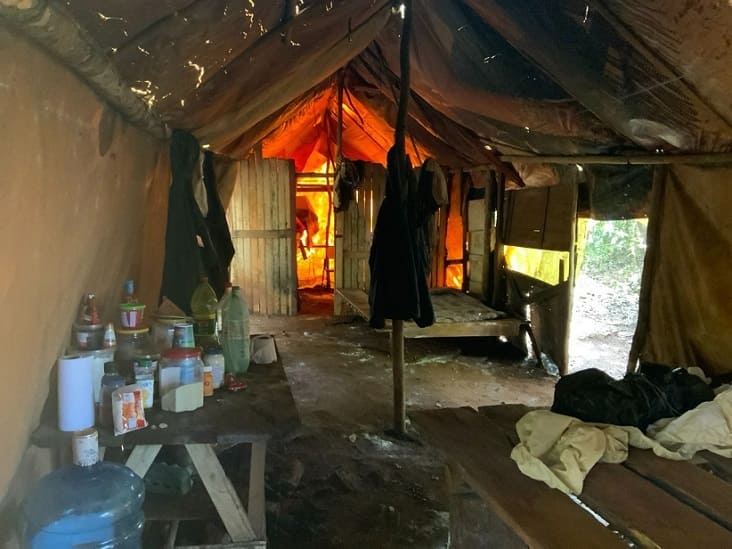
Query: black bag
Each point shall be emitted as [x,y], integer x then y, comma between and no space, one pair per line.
[636,400]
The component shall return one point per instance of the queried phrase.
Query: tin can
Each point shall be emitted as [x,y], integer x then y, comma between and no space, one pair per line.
[183,335]
[85,447]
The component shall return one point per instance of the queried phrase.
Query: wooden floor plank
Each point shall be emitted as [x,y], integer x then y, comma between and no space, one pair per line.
[540,516]
[645,512]
[701,490]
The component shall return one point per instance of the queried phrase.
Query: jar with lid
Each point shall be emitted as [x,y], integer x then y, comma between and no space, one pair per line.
[181,367]
[132,344]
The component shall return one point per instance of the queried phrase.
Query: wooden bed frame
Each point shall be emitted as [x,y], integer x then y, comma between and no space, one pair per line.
[457,314]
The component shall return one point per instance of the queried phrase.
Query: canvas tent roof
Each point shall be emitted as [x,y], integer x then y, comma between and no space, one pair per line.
[556,77]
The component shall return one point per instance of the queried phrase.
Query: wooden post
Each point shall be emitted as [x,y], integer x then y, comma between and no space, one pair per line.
[397,361]
[564,359]
[397,326]
[653,233]
[499,297]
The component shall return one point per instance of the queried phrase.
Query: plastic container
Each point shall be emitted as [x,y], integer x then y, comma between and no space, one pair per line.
[109,382]
[94,506]
[214,357]
[203,306]
[179,367]
[132,344]
[235,335]
[88,337]
[162,331]
[220,308]
[131,314]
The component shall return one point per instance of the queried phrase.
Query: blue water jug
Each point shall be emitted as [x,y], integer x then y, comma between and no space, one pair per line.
[92,506]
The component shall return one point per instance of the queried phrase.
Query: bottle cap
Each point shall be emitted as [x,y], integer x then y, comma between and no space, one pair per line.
[110,368]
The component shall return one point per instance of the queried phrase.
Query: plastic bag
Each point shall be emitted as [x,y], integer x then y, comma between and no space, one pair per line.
[128,410]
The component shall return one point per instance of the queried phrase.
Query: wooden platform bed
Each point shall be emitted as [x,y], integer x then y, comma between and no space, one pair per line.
[457,314]
[646,502]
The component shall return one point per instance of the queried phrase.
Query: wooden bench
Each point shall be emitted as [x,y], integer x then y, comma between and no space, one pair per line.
[647,501]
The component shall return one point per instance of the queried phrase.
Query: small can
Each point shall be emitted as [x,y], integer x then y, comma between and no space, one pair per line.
[208,388]
[183,335]
[85,447]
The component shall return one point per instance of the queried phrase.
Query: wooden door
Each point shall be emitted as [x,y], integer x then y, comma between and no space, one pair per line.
[261,215]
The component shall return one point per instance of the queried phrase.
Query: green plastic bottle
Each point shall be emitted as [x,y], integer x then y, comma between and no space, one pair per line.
[203,306]
[235,335]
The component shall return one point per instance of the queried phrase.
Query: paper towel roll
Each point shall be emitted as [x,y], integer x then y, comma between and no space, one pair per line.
[262,350]
[75,393]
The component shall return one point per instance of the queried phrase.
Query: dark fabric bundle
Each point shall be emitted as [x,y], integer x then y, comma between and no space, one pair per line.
[398,280]
[636,400]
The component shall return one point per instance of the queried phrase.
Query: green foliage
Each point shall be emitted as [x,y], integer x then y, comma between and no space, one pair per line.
[614,252]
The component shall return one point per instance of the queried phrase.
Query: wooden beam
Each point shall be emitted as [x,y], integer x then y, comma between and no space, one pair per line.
[623,160]
[54,30]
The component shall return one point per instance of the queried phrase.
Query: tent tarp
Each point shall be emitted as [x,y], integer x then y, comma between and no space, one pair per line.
[690,315]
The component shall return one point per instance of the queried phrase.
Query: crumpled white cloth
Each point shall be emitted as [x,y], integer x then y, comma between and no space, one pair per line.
[561,450]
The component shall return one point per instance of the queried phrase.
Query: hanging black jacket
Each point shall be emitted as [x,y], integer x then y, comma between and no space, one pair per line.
[398,287]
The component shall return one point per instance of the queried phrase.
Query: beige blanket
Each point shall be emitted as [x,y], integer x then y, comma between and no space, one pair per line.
[560,450]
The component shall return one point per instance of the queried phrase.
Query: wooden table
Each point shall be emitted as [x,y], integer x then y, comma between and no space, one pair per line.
[264,410]
[649,501]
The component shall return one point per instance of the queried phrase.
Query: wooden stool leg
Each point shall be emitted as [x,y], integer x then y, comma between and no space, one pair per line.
[256,507]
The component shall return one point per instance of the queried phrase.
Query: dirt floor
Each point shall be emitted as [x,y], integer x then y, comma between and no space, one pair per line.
[602,329]
[340,480]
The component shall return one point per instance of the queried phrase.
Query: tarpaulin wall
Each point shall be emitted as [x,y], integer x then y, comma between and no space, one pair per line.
[691,291]
[83,204]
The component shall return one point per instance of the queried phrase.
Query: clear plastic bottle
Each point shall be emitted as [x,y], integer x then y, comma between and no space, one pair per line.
[110,381]
[220,308]
[235,333]
[203,306]
[91,503]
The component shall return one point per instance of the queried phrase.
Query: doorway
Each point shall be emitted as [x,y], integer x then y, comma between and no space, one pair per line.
[314,240]
[605,305]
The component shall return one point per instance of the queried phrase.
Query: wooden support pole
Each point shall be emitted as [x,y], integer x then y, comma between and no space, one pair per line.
[653,234]
[564,358]
[397,362]
[52,28]
[499,288]
[397,326]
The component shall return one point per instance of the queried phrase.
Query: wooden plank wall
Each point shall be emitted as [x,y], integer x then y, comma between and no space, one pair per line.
[261,215]
[477,246]
[354,228]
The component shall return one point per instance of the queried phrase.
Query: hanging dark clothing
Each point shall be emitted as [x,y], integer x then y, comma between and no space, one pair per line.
[186,261]
[218,229]
[398,287]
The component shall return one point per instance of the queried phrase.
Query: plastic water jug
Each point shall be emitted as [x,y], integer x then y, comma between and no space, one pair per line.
[92,506]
